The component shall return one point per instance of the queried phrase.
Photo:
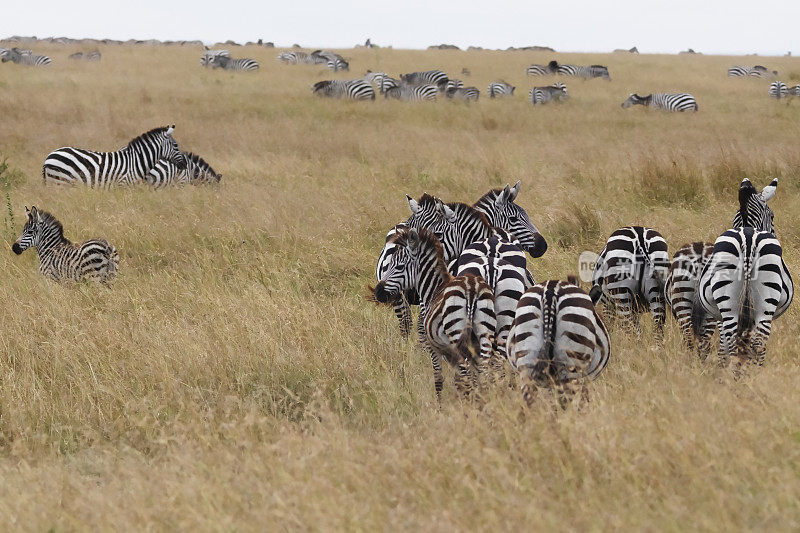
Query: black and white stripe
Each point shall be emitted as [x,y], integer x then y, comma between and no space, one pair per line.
[240,64]
[196,172]
[412,93]
[500,88]
[470,94]
[663,101]
[59,259]
[382,80]
[541,70]
[630,273]
[25,57]
[778,89]
[756,71]
[129,165]
[542,95]
[592,71]
[557,338]
[429,77]
[753,209]
[745,286]
[210,55]
[351,90]
[89,56]
[295,58]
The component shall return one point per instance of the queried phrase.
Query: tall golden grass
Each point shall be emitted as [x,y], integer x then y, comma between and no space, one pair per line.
[233,377]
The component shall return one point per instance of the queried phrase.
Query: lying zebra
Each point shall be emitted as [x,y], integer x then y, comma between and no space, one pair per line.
[197,172]
[89,56]
[663,101]
[24,57]
[209,56]
[228,63]
[351,90]
[60,259]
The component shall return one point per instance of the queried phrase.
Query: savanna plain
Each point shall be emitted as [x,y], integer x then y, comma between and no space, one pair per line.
[234,376]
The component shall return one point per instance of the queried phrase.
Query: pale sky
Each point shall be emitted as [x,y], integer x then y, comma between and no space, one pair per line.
[712,26]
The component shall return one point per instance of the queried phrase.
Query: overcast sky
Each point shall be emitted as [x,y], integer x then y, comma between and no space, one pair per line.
[709,26]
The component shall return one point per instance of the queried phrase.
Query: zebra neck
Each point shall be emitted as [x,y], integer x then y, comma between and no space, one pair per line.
[49,246]
[138,160]
[433,275]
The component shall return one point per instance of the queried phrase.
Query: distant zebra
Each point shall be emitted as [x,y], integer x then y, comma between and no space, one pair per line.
[557,338]
[76,55]
[753,209]
[129,165]
[543,95]
[663,101]
[382,80]
[59,259]
[210,55]
[540,70]
[630,273]
[500,88]
[757,71]
[25,57]
[351,90]
[413,93]
[593,71]
[745,286]
[457,320]
[453,83]
[794,91]
[681,293]
[778,89]
[293,58]
[197,172]
[429,77]
[336,64]
[89,56]
[228,63]
[464,93]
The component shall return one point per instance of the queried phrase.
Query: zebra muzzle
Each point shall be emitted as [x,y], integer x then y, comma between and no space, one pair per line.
[17,249]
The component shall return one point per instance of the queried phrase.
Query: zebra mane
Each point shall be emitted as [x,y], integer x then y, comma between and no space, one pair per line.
[468,213]
[49,220]
[745,193]
[144,137]
[199,162]
[427,200]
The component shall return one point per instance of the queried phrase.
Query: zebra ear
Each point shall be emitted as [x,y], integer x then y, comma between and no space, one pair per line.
[502,198]
[413,205]
[449,214]
[170,129]
[413,240]
[514,191]
[769,190]
[33,213]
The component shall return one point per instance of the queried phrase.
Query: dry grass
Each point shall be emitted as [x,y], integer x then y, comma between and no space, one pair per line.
[234,378]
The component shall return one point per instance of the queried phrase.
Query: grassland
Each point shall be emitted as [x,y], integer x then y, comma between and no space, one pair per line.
[233,377]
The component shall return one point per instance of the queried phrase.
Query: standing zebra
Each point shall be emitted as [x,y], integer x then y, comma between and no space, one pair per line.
[753,209]
[745,286]
[464,93]
[543,95]
[336,64]
[382,80]
[129,165]
[59,259]
[681,292]
[412,93]
[630,273]
[228,63]
[778,89]
[500,88]
[197,171]
[453,83]
[557,338]
[663,101]
[25,57]
[429,77]
[457,321]
[593,71]
[352,90]
[541,70]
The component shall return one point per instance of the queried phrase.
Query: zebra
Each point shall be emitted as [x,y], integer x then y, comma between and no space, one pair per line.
[336,64]
[500,88]
[453,83]
[753,209]
[663,101]
[210,55]
[593,71]
[228,63]
[25,57]
[429,77]
[129,165]
[557,338]
[757,71]
[795,91]
[778,89]
[745,286]
[293,58]
[457,320]
[89,56]
[383,80]
[540,70]
[60,259]
[543,95]
[502,265]
[76,55]
[412,93]
[352,90]
[682,296]
[464,93]
[630,273]
[197,171]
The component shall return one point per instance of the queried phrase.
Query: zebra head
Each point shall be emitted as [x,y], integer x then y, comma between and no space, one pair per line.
[399,275]
[38,223]
[12,55]
[502,212]
[434,215]
[753,209]
[635,99]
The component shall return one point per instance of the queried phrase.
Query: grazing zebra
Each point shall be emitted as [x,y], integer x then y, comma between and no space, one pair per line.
[89,56]
[336,64]
[412,93]
[663,101]
[500,88]
[744,286]
[540,70]
[228,63]
[129,165]
[757,71]
[593,71]
[778,89]
[502,265]
[197,172]
[795,91]
[464,93]
[457,320]
[557,338]
[25,57]
[382,80]
[59,259]
[682,296]
[543,95]
[753,209]
[429,77]
[352,90]
[453,83]
[630,273]
[294,58]
[210,55]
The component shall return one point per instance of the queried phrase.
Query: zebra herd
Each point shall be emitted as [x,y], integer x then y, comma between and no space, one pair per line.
[777,89]
[480,307]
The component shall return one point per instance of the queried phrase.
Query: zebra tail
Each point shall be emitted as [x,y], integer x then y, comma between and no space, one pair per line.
[746,314]
[698,314]
[468,344]
[542,367]
[113,261]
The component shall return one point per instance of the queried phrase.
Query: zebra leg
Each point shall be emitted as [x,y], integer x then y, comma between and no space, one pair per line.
[685,325]
[742,356]
[528,387]
[659,317]
[438,379]
[758,342]
[704,340]
[727,344]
